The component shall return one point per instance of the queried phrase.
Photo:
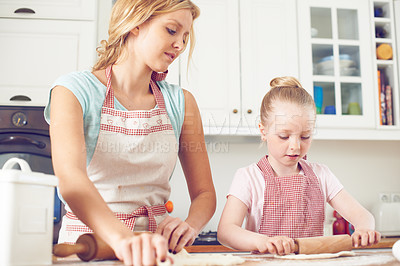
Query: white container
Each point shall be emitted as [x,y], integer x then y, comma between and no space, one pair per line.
[27,210]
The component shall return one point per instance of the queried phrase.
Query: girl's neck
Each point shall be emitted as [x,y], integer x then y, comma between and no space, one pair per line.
[281,170]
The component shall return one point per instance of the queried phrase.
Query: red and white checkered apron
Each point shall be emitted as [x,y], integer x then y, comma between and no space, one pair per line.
[135,155]
[294,206]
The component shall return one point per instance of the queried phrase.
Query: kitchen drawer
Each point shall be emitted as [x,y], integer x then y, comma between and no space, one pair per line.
[49,9]
[24,96]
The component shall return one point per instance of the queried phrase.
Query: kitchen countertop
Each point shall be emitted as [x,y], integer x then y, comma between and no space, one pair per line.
[384,243]
[376,255]
[370,257]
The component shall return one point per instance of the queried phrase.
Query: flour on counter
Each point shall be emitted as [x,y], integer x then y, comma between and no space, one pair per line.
[357,260]
[316,256]
[184,258]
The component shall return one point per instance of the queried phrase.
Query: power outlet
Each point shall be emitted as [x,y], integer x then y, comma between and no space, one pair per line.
[384,197]
[395,197]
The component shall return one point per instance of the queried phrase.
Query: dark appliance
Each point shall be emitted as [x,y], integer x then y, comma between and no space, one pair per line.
[24,134]
[207,238]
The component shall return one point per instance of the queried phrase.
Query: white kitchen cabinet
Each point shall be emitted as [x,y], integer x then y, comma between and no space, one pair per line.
[336,63]
[36,51]
[214,71]
[240,46]
[268,49]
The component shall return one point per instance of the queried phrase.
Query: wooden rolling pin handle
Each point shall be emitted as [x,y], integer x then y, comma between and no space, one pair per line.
[88,247]
[65,250]
[323,244]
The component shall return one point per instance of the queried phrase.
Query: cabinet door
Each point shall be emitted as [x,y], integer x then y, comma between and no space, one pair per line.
[336,63]
[35,52]
[49,9]
[213,75]
[268,49]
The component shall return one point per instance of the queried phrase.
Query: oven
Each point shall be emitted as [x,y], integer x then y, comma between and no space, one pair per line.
[24,134]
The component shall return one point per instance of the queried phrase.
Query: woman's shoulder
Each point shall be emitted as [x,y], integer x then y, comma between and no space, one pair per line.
[171,91]
[79,79]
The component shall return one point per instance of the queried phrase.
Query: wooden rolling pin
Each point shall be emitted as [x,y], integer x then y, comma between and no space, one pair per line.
[323,244]
[88,247]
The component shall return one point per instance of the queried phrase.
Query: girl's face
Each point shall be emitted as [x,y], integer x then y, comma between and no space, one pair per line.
[288,134]
[159,41]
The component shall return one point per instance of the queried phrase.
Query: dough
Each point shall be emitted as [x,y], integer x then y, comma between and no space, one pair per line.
[184,258]
[316,256]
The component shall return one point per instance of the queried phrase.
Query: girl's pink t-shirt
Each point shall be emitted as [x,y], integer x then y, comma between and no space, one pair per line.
[249,185]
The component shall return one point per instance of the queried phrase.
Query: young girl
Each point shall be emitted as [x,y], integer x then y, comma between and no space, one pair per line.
[283,196]
[115,135]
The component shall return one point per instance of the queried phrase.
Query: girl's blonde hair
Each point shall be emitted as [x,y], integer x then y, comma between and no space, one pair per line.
[127,15]
[285,89]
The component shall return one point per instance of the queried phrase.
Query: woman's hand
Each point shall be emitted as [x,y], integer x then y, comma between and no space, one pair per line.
[280,245]
[178,233]
[142,249]
[365,237]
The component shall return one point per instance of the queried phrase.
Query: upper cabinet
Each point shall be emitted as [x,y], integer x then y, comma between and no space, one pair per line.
[240,46]
[213,74]
[348,64]
[336,62]
[42,40]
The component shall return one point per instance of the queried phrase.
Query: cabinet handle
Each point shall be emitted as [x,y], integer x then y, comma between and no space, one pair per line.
[24,10]
[249,111]
[235,111]
[21,98]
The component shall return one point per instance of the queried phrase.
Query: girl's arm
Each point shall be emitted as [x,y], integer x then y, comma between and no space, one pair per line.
[69,162]
[231,234]
[196,167]
[357,215]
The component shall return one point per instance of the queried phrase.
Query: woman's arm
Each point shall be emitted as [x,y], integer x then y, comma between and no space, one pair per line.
[357,215]
[231,234]
[69,162]
[196,167]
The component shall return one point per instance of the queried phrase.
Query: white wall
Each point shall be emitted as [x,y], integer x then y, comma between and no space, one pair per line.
[364,167]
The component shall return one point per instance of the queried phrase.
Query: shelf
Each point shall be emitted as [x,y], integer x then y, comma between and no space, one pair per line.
[384,63]
[382,21]
[387,105]
[383,40]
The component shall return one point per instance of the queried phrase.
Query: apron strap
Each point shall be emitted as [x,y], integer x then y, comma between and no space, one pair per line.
[109,101]
[155,76]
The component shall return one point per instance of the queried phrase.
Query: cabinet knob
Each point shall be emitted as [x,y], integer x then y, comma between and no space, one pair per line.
[249,111]
[235,111]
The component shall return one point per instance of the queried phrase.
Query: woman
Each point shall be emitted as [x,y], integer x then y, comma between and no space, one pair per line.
[115,135]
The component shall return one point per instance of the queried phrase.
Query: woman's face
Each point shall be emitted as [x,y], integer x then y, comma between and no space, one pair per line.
[159,41]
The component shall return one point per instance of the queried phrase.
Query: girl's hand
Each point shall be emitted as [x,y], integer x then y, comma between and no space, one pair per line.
[177,232]
[142,249]
[365,237]
[280,245]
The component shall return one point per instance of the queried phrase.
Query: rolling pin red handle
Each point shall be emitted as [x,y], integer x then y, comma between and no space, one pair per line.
[65,250]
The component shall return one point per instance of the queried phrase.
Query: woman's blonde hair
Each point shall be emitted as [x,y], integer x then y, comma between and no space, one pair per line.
[285,89]
[127,15]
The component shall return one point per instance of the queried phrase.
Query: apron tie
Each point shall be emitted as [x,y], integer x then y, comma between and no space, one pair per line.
[128,219]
